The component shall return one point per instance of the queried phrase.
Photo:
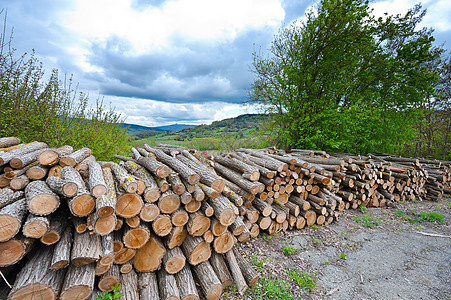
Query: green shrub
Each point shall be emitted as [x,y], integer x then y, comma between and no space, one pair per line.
[114,294]
[51,110]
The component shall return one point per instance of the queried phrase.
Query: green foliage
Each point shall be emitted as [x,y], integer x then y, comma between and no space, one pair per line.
[317,241]
[303,279]
[289,250]
[414,217]
[369,221]
[343,256]
[257,261]
[344,80]
[51,110]
[269,288]
[363,209]
[114,294]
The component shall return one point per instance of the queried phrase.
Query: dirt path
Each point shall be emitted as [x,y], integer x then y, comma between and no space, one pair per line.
[378,254]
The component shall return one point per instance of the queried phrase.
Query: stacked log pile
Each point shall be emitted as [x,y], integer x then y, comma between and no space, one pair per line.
[164,221]
[72,226]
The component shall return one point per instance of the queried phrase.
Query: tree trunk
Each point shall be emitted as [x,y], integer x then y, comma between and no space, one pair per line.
[6,142]
[148,258]
[82,204]
[61,253]
[186,284]
[149,212]
[62,187]
[169,202]
[196,249]
[108,280]
[151,193]
[52,156]
[35,226]
[86,249]
[236,272]
[13,250]
[58,222]
[96,181]
[129,284]
[36,280]
[183,170]
[248,272]
[235,177]
[41,200]
[162,225]
[167,286]
[6,157]
[148,286]
[24,159]
[11,218]
[209,282]
[79,282]
[198,224]
[220,267]
[174,260]
[75,158]
[223,210]
[206,177]
[249,172]
[154,166]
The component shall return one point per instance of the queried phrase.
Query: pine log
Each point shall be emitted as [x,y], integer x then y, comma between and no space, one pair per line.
[36,280]
[61,252]
[196,249]
[148,258]
[41,200]
[75,158]
[186,284]
[52,156]
[206,176]
[8,196]
[86,249]
[183,170]
[62,187]
[11,218]
[6,142]
[35,226]
[148,286]
[151,193]
[108,280]
[79,282]
[176,237]
[198,223]
[223,243]
[220,267]
[149,212]
[250,275]
[128,205]
[167,286]
[58,223]
[6,157]
[209,282]
[15,249]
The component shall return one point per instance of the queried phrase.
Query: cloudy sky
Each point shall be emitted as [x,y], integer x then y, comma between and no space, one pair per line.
[160,62]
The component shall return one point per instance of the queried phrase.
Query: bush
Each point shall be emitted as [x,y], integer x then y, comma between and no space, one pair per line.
[53,111]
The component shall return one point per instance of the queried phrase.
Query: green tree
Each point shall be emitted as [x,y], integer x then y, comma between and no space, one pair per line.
[344,80]
[52,111]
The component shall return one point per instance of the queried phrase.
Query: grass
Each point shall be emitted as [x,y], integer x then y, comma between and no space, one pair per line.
[289,250]
[317,241]
[257,261]
[363,209]
[414,217]
[369,221]
[270,288]
[343,256]
[303,279]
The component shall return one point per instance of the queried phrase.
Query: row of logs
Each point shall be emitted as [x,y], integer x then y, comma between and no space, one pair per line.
[151,225]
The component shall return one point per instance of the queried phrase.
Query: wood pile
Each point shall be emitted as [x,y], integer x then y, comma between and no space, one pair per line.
[72,226]
[164,221]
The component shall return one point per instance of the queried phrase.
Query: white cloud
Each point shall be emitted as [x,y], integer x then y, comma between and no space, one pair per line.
[151,29]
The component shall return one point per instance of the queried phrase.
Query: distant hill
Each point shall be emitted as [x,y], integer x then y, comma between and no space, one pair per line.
[134,129]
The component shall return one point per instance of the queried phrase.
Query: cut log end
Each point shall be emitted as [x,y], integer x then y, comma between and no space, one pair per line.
[83,205]
[34,291]
[43,204]
[10,227]
[76,292]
